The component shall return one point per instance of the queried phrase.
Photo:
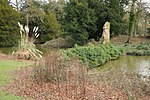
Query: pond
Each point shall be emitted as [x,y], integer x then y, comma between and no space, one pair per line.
[138,64]
[9,50]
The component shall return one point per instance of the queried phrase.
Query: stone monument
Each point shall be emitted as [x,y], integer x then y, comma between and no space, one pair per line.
[106,33]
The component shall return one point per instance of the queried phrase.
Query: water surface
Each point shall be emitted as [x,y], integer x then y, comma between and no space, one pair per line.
[137,64]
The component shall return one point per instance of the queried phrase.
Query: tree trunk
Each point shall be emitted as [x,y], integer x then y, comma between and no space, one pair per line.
[132,18]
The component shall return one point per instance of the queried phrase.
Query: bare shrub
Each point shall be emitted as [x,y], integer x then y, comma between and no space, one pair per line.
[70,77]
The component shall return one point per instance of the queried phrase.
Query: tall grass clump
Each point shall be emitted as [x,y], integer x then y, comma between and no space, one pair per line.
[94,55]
[26,46]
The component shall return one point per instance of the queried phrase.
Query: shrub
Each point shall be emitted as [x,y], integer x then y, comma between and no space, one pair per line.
[53,69]
[140,50]
[93,55]
[61,42]
[67,78]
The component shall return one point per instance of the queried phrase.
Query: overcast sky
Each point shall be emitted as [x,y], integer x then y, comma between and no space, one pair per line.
[146,1]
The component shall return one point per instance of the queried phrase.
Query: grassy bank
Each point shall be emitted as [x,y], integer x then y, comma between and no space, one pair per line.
[6,66]
[6,96]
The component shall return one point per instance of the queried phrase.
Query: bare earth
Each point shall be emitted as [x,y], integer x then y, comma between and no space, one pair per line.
[5,57]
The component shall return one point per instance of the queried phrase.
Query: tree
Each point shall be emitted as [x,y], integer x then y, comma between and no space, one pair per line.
[37,14]
[115,15]
[50,27]
[132,19]
[84,19]
[79,20]
[137,18]
[8,24]
[56,7]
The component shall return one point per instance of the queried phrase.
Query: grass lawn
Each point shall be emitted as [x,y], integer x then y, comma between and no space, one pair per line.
[6,96]
[5,78]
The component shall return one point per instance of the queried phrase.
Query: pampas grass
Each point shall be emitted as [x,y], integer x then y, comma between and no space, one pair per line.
[27,49]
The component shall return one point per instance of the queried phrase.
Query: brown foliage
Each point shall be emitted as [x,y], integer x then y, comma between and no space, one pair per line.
[126,80]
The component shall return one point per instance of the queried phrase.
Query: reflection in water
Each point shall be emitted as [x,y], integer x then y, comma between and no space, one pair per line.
[143,68]
[138,64]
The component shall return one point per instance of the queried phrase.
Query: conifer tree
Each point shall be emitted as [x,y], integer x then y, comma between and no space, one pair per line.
[8,24]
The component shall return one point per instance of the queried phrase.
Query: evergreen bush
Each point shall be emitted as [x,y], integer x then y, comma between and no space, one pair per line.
[140,50]
[94,55]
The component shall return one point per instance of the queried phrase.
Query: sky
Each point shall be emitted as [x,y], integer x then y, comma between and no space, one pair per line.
[147,1]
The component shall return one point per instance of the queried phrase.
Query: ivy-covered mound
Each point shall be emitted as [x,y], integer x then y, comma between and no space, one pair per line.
[140,50]
[94,55]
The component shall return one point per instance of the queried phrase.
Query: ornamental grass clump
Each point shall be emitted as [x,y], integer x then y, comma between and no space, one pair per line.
[26,48]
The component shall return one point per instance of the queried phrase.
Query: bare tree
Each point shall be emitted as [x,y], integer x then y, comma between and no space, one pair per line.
[137,16]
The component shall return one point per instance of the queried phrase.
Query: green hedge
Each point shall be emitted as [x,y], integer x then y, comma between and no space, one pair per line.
[93,55]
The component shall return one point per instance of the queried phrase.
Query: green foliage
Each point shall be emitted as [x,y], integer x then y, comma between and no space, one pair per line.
[55,7]
[140,50]
[39,15]
[93,55]
[50,27]
[132,18]
[8,24]
[114,13]
[79,20]
[85,18]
